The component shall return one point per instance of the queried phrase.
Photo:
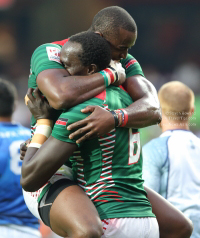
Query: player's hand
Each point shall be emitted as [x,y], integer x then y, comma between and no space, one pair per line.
[39,106]
[120,71]
[98,123]
[23,148]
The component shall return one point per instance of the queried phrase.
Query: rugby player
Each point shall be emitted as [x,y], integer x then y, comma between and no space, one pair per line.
[16,221]
[120,31]
[106,167]
[171,161]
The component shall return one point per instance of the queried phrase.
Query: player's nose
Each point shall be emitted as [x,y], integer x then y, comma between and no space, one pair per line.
[123,54]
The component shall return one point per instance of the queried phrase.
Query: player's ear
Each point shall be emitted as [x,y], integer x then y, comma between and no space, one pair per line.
[192,111]
[92,69]
[99,33]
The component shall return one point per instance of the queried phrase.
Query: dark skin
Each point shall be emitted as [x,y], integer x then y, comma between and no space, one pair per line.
[65,91]
[39,166]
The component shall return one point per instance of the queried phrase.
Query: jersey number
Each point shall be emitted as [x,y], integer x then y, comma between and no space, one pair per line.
[134,147]
[15,162]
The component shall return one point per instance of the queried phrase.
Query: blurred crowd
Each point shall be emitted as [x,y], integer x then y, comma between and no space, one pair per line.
[170,53]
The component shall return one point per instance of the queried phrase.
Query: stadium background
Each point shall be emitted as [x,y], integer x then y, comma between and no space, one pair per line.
[167,46]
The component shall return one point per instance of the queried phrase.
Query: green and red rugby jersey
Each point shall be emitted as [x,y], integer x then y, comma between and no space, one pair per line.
[108,168]
[47,56]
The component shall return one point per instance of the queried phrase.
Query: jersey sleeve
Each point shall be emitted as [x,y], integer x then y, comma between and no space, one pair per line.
[153,161]
[131,66]
[46,56]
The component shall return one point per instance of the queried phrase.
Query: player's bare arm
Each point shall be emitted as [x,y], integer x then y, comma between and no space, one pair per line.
[145,111]
[39,166]
[65,91]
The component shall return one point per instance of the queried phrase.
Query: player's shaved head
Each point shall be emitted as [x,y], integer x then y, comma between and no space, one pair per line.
[8,95]
[109,20]
[176,100]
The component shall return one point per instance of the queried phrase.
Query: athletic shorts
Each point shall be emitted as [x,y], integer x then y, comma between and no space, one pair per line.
[31,198]
[143,227]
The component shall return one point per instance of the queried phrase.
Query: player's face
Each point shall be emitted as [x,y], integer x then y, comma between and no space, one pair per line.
[70,60]
[120,45]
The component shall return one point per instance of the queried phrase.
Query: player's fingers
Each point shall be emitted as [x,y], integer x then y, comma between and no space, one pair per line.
[22,155]
[77,124]
[30,94]
[79,132]
[23,147]
[88,109]
[29,104]
[87,136]
[37,93]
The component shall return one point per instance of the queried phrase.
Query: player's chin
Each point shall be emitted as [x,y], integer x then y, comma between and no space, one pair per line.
[116,59]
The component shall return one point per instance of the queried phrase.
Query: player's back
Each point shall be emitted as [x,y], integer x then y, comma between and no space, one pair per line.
[13,210]
[184,167]
[109,168]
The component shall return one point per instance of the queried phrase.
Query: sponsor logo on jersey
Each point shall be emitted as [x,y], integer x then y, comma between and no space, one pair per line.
[61,122]
[130,62]
[53,54]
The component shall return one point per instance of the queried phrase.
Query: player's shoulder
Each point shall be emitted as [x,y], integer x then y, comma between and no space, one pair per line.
[22,130]
[159,141]
[180,137]
[47,48]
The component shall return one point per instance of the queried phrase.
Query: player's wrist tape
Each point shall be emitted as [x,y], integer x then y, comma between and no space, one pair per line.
[124,117]
[42,132]
[110,76]
[120,117]
[115,115]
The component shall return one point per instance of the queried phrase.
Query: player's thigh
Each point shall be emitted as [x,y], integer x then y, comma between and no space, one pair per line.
[131,227]
[73,213]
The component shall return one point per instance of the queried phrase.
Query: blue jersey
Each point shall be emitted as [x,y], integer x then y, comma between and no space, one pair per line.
[171,165]
[13,209]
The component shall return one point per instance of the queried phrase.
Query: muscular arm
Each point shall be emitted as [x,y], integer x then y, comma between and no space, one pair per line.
[39,165]
[145,111]
[64,91]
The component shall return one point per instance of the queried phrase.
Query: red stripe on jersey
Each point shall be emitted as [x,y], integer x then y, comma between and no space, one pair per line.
[122,88]
[98,200]
[112,77]
[62,42]
[62,123]
[131,62]
[102,95]
[109,191]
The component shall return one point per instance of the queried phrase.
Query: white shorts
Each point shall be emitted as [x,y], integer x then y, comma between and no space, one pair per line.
[15,231]
[144,227]
[31,198]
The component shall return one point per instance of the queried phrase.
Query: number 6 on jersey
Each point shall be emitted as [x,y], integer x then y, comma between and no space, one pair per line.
[134,147]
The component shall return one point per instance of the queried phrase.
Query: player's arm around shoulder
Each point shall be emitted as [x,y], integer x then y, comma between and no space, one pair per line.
[145,110]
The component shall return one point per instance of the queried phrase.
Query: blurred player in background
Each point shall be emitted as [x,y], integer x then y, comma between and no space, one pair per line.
[172,161]
[16,221]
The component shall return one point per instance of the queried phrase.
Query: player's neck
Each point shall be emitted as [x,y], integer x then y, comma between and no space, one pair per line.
[175,126]
[5,119]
